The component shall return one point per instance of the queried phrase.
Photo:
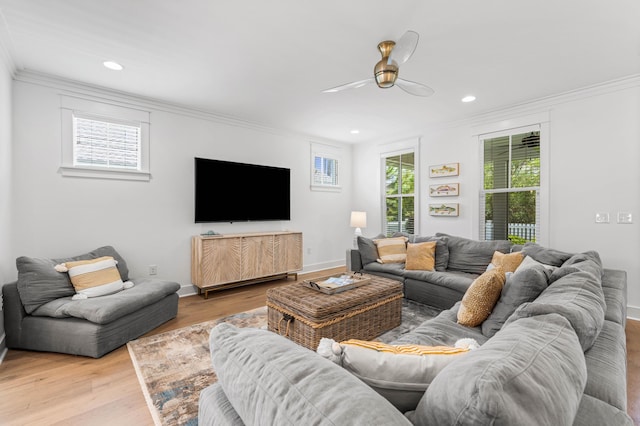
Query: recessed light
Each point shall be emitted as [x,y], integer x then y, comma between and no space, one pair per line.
[355,131]
[469,98]
[113,65]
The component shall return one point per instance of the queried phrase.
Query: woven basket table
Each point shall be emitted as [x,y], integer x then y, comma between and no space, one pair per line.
[305,315]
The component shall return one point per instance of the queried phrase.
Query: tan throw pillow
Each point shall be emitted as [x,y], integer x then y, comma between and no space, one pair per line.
[391,250]
[509,262]
[481,296]
[421,256]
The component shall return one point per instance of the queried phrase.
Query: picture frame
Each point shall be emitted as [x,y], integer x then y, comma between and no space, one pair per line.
[444,190]
[442,170]
[444,209]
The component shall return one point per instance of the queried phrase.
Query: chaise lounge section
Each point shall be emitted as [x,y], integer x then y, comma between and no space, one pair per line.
[41,315]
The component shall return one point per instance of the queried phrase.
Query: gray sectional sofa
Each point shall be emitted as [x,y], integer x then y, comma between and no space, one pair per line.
[40,315]
[558,358]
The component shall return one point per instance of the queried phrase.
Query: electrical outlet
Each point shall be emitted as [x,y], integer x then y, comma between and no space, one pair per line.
[625,217]
[602,217]
[308,250]
[153,270]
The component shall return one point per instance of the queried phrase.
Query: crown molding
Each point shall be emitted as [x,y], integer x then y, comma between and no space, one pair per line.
[544,103]
[75,88]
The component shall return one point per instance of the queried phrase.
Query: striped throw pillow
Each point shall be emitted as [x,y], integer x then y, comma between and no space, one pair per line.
[95,277]
[392,250]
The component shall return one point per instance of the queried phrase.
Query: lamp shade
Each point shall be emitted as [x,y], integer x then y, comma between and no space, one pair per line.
[358,219]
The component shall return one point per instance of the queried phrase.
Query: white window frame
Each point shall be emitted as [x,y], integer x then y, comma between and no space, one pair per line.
[326,152]
[539,121]
[416,186]
[71,107]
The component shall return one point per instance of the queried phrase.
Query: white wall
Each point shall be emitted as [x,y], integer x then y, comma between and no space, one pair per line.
[594,148]
[152,222]
[7,265]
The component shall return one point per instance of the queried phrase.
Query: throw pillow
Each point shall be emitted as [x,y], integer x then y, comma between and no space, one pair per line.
[391,250]
[367,249]
[522,287]
[509,262]
[442,251]
[94,277]
[529,262]
[400,373]
[481,296]
[421,256]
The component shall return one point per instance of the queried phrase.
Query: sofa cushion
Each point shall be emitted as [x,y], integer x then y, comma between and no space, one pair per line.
[400,373]
[459,281]
[391,250]
[105,309]
[521,287]
[472,256]
[606,365]
[270,380]
[578,297]
[367,249]
[545,255]
[421,256]
[443,330]
[39,282]
[442,251]
[481,297]
[530,373]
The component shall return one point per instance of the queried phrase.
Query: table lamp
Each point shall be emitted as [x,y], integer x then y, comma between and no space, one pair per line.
[358,220]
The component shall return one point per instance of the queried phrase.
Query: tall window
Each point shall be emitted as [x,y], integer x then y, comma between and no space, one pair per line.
[399,193]
[510,198]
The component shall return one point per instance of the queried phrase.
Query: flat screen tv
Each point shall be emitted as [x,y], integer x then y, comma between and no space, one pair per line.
[227,191]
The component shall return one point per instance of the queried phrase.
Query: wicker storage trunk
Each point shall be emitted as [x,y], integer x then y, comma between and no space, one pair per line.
[305,315]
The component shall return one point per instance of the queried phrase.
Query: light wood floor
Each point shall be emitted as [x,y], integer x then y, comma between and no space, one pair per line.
[56,389]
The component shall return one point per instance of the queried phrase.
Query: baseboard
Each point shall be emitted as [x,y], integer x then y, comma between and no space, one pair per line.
[633,312]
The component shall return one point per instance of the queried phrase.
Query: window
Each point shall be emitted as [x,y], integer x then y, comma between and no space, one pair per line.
[101,143]
[325,168]
[399,193]
[510,198]
[104,141]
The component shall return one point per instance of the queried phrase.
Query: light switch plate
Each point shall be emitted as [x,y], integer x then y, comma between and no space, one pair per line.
[602,217]
[625,217]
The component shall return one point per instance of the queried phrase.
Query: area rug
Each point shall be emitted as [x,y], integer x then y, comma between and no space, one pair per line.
[173,367]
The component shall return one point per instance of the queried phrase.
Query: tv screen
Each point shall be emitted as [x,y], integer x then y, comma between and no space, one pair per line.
[226,191]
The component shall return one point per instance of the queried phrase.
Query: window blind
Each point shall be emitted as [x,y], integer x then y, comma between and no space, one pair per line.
[99,143]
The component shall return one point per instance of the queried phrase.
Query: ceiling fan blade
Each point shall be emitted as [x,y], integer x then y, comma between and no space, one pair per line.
[414,88]
[352,85]
[404,48]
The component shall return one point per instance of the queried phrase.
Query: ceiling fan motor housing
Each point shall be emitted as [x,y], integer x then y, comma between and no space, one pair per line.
[385,74]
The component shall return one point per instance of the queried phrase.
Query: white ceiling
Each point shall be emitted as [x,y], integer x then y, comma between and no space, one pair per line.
[267,62]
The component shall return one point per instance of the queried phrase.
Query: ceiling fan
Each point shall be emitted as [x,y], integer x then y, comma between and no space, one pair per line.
[385,73]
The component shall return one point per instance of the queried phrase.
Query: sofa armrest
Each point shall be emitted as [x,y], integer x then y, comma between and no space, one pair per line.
[13,313]
[354,261]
